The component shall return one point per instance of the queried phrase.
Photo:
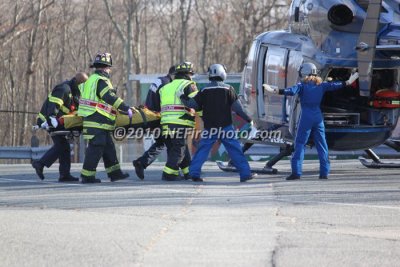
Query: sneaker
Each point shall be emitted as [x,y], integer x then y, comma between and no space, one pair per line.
[292,177]
[323,177]
[252,176]
[38,166]
[119,176]
[194,179]
[90,180]
[170,177]
[139,169]
[68,178]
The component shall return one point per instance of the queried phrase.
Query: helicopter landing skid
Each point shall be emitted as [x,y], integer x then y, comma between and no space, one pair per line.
[378,165]
[229,168]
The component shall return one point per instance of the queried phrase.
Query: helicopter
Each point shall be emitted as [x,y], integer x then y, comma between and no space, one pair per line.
[339,37]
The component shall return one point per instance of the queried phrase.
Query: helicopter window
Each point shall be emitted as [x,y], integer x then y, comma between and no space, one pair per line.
[272,70]
[275,75]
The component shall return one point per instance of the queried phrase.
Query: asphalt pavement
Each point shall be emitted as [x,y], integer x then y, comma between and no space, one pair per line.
[351,219]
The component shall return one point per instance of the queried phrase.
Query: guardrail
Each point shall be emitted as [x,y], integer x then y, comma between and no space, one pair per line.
[22,152]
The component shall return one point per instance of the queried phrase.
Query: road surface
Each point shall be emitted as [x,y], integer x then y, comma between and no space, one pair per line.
[351,219]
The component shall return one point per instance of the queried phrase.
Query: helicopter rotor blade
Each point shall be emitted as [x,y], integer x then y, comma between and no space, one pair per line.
[367,45]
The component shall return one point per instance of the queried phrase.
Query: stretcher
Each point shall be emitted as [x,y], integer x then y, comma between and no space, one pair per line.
[385,99]
[141,118]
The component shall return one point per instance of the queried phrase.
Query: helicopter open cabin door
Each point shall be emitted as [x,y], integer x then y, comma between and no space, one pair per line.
[274,74]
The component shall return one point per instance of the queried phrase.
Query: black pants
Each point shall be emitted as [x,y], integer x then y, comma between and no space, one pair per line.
[154,150]
[178,154]
[100,146]
[61,150]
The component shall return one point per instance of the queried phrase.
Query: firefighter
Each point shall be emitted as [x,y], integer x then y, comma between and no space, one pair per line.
[311,89]
[217,100]
[176,118]
[98,106]
[62,100]
[153,103]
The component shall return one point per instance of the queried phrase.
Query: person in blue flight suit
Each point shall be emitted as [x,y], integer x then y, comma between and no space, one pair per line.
[311,89]
[217,100]
[153,104]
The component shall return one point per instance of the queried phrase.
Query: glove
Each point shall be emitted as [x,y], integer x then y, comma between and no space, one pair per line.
[269,89]
[54,121]
[352,79]
[247,131]
[130,113]
[44,125]
[253,131]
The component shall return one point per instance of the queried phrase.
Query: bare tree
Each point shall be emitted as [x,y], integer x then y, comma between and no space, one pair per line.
[46,41]
[185,9]
[251,16]
[204,17]
[30,64]
[165,15]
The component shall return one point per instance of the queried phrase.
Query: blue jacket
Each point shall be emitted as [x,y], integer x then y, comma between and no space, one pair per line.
[310,93]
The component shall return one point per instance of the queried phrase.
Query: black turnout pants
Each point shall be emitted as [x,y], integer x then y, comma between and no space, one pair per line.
[154,150]
[178,153]
[100,146]
[61,150]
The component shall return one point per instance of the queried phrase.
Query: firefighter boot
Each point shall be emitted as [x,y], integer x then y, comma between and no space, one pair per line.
[170,177]
[68,178]
[89,180]
[38,166]
[139,169]
[118,175]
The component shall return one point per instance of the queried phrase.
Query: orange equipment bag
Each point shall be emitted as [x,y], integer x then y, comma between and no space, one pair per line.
[385,99]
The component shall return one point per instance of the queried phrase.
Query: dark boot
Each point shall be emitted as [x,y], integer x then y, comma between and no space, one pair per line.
[194,179]
[68,178]
[292,177]
[323,177]
[170,177]
[118,175]
[197,179]
[90,180]
[252,176]
[38,166]
[139,169]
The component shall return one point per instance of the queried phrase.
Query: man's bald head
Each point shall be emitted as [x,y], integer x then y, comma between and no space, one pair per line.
[80,77]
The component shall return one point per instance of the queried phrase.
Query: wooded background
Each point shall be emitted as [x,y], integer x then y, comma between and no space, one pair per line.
[44,42]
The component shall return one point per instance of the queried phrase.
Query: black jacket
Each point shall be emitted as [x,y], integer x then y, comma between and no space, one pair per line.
[217,101]
[152,100]
[60,101]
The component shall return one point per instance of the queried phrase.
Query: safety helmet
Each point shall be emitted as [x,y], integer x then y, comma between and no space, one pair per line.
[184,68]
[217,71]
[102,60]
[307,69]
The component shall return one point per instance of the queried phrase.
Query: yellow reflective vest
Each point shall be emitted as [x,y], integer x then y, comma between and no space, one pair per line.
[172,109]
[90,103]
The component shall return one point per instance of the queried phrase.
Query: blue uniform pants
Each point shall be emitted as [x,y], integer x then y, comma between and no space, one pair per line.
[311,123]
[230,143]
